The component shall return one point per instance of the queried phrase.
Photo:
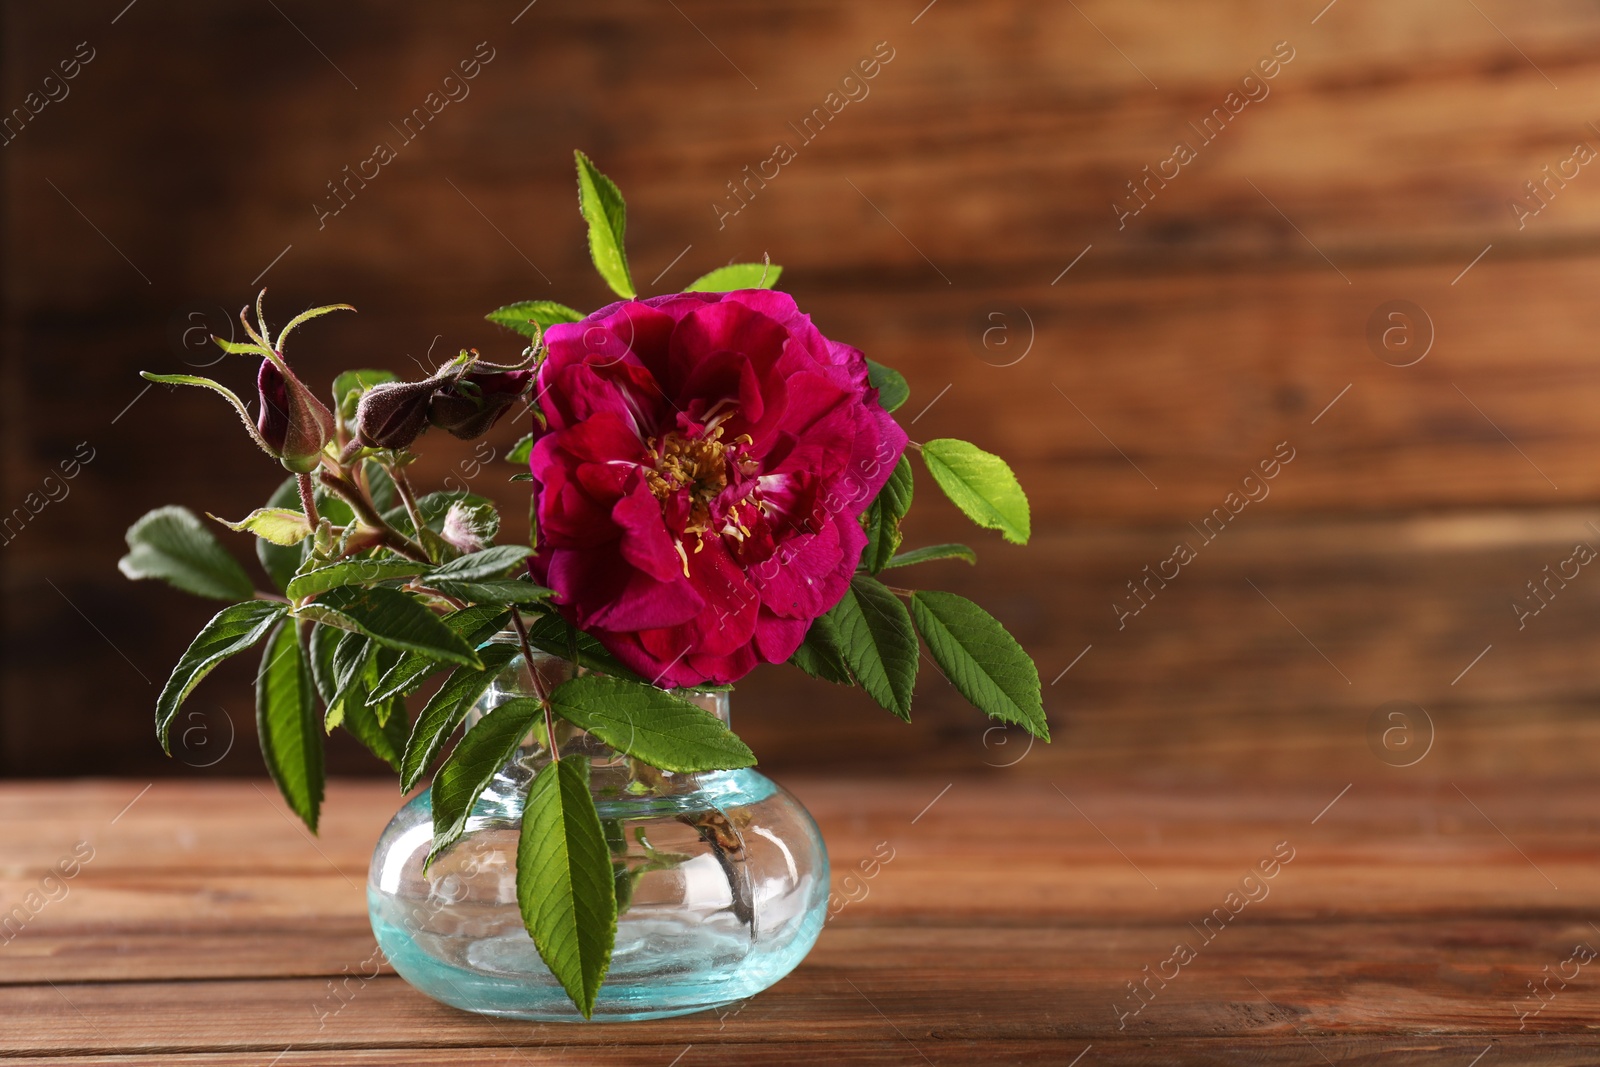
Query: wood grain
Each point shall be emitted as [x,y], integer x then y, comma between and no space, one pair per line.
[1229,315]
[1404,923]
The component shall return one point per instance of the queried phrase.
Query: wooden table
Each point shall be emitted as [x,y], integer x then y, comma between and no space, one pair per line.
[207,928]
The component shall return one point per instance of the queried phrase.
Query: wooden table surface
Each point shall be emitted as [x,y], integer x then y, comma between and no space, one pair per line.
[1406,921]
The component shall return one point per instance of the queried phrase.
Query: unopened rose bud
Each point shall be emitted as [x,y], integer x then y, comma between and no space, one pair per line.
[391,415]
[467,406]
[294,424]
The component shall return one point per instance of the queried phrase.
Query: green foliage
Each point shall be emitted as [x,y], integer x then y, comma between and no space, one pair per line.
[981,659]
[348,387]
[565,885]
[554,635]
[600,204]
[281,561]
[531,318]
[351,572]
[493,562]
[474,625]
[380,484]
[820,656]
[649,724]
[480,753]
[933,552]
[877,642]
[521,451]
[390,618]
[231,631]
[286,723]
[172,544]
[444,712]
[281,526]
[493,591]
[882,518]
[981,485]
[737,276]
[890,384]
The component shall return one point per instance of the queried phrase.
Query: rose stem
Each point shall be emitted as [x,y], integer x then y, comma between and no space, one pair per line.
[403,485]
[308,499]
[391,537]
[527,657]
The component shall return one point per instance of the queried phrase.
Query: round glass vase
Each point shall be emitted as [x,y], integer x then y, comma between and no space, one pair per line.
[721,882]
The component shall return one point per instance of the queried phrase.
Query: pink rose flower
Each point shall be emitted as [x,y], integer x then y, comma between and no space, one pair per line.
[699,485]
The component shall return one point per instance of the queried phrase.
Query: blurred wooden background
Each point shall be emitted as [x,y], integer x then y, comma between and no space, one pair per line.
[933,223]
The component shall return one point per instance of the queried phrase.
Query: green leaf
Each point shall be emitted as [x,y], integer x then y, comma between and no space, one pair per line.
[600,204]
[521,451]
[554,635]
[170,543]
[380,485]
[281,526]
[336,656]
[890,384]
[493,591]
[345,678]
[324,644]
[348,387]
[281,561]
[649,724]
[489,563]
[737,276]
[466,774]
[286,722]
[565,884]
[981,485]
[381,727]
[981,659]
[230,631]
[390,618]
[882,518]
[351,572]
[475,625]
[531,317]
[878,643]
[933,552]
[444,712]
[217,387]
[819,654]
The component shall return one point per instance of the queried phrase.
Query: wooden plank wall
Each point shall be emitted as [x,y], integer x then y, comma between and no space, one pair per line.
[967,217]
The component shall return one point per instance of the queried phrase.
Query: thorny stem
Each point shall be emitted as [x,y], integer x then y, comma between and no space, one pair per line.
[308,499]
[527,658]
[403,485]
[901,592]
[358,502]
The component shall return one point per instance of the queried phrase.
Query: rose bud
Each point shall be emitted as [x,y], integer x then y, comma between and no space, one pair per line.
[393,414]
[467,406]
[294,425]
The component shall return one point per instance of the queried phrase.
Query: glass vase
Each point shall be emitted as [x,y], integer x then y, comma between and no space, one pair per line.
[721,881]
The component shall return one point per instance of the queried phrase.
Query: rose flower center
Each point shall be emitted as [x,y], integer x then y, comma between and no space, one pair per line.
[689,477]
[695,465]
